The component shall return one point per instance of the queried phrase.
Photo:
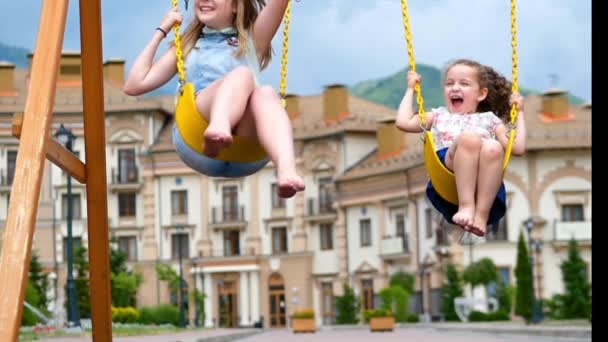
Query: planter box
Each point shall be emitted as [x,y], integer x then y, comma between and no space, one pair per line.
[304,325]
[382,323]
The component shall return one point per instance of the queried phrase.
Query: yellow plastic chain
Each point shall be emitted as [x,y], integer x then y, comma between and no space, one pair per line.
[412,62]
[514,83]
[284,55]
[178,50]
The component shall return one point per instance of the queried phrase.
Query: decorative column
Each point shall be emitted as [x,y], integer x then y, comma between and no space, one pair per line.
[254,282]
[207,279]
[244,299]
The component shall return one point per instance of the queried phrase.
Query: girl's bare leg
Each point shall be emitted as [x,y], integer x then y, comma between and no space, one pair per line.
[267,121]
[223,104]
[463,158]
[489,179]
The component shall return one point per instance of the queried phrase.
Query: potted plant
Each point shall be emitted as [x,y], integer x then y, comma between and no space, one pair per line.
[304,321]
[380,319]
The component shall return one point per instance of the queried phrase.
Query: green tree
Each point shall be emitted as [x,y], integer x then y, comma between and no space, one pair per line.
[31,296]
[39,280]
[403,279]
[124,283]
[452,289]
[577,298]
[347,306]
[523,275]
[82,283]
[481,272]
[396,299]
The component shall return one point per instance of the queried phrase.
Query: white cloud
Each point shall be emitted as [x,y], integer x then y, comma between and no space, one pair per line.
[345,41]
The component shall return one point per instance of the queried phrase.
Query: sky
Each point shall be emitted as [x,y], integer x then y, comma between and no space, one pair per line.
[347,41]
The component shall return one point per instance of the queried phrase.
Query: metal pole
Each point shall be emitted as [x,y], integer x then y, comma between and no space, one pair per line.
[536,316]
[182,318]
[73,314]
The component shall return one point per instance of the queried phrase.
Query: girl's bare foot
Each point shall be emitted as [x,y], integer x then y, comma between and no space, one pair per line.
[479,225]
[289,183]
[464,216]
[217,137]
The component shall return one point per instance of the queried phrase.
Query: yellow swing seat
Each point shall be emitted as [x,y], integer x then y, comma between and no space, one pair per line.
[442,178]
[192,125]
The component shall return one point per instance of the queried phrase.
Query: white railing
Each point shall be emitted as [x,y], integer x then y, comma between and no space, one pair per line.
[579,230]
[392,245]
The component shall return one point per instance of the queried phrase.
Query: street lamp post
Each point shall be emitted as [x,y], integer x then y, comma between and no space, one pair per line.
[195,262]
[66,138]
[535,246]
[182,316]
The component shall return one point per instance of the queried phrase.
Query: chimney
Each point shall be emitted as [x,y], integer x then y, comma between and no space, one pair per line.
[335,103]
[587,106]
[391,141]
[293,106]
[7,79]
[114,70]
[555,104]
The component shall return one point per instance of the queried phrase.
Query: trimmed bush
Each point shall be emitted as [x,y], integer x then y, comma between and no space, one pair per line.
[304,313]
[369,314]
[162,314]
[125,315]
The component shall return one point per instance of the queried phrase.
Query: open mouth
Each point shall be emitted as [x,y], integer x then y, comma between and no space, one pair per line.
[456,101]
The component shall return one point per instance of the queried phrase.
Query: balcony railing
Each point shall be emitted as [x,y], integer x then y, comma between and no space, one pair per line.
[6,182]
[579,230]
[227,215]
[228,218]
[222,253]
[317,208]
[394,246]
[130,177]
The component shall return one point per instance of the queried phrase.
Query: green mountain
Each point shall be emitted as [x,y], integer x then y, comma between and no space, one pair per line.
[13,54]
[389,90]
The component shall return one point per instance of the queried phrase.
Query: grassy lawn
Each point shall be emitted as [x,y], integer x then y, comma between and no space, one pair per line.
[117,331]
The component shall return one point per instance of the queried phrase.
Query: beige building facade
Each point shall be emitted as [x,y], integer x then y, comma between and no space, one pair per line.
[258,258]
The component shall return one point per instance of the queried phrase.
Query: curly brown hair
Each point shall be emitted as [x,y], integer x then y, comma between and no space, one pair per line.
[499,88]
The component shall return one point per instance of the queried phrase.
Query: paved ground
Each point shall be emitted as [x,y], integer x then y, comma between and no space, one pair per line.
[435,332]
[192,336]
[399,335]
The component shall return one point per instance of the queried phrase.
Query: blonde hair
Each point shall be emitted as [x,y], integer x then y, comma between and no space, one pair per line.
[247,12]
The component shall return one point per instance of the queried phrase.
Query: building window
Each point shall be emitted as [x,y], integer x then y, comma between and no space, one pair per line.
[127,171]
[11,161]
[367,294]
[365,232]
[180,246]
[179,202]
[325,195]
[231,243]
[76,243]
[498,231]
[400,231]
[230,203]
[128,245]
[277,201]
[428,222]
[76,212]
[326,236]
[572,213]
[504,273]
[279,240]
[69,70]
[327,302]
[126,204]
